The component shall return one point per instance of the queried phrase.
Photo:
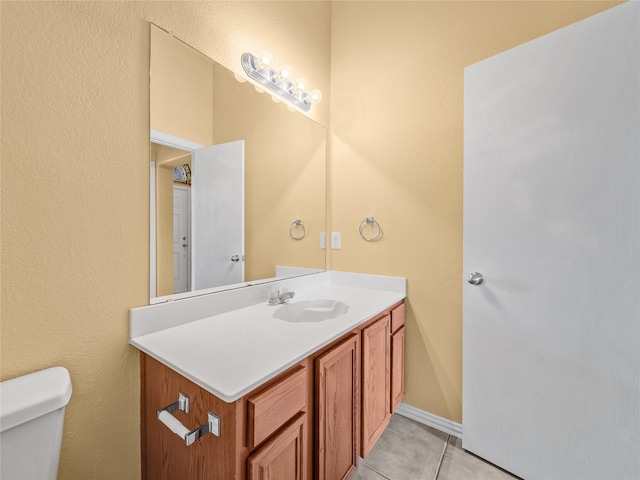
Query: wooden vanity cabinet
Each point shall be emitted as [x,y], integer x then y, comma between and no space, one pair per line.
[308,423]
[263,435]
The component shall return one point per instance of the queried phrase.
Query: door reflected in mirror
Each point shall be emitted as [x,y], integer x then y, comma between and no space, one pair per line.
[231,171]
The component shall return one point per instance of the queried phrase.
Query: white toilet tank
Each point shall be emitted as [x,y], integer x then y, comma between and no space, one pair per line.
[31,419]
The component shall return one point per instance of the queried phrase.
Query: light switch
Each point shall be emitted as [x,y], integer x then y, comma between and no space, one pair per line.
[336,240]
[323,240]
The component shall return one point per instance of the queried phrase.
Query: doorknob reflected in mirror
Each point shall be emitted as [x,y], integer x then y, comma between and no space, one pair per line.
[475,278]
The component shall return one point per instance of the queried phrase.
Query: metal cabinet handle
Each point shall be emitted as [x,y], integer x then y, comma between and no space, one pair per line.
[235,258]
[475,278]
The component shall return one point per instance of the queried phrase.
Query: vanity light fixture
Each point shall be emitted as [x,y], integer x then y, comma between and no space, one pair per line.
[279,81]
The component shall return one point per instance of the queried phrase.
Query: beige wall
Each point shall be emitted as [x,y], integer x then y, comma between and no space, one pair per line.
[397,151]
[75,189]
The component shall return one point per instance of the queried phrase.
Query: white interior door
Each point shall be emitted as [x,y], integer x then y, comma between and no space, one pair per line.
[552,222]
[217,205]
[181,239]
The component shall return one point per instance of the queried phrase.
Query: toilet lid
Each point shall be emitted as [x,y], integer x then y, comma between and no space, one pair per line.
[30,396]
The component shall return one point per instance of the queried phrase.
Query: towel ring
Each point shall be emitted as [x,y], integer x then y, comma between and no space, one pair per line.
[368,221]
[297,223]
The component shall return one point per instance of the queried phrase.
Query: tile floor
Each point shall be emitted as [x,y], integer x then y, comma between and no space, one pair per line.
[408,450]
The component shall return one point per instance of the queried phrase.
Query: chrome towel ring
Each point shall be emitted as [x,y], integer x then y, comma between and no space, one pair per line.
[297,225]
[367,221]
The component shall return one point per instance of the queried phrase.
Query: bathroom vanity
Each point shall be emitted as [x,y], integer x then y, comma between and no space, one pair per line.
[294,391]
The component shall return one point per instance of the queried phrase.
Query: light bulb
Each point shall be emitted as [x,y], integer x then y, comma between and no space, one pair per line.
[239,78]
[301,84]
[275,99]
[258,89]
[285,72]
[315,96]
[265,59]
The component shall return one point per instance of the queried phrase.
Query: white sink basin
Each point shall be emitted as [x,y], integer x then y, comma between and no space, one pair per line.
[310,310]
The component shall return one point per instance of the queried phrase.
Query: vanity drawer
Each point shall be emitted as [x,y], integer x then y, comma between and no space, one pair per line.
[397,318]
[270,409]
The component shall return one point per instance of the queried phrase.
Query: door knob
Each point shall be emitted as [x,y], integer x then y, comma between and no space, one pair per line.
[475,278]
[185,245]
[235,258]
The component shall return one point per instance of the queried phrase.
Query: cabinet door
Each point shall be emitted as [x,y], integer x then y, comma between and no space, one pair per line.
[397,368]
[376,353]
[282,457]
[397,317]
[338,404]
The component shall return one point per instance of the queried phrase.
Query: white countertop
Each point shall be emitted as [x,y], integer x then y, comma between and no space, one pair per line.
[232,353]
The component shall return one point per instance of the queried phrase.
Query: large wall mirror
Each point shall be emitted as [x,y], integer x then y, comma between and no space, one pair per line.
[238,181]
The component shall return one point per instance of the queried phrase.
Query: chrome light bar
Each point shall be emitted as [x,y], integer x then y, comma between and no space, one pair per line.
[272,81]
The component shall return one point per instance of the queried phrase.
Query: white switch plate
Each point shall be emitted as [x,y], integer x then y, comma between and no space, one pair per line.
[323,240]
[336,240]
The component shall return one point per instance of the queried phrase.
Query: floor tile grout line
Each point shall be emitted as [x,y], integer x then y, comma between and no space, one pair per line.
[483,465]
[428,447]
[446,443]
[376,471]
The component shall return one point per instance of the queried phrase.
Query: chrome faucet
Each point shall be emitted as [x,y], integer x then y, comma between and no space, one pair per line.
[276,298]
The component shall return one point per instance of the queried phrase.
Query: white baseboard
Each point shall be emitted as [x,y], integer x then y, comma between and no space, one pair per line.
[431,420]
